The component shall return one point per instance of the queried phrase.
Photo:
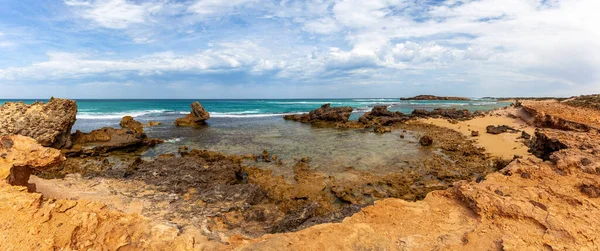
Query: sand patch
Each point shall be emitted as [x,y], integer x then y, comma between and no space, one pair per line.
[504,145]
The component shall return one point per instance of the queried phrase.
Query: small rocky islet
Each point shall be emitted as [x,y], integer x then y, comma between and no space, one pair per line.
[199,199]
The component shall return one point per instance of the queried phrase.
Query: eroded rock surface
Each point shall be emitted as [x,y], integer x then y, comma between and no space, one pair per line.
[50,124]
[196,118]
[20,155]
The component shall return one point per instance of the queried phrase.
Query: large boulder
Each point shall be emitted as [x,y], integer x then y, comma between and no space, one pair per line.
[131,137]
[50,124]
[380,115]
[325,113]
[197,117]
[20,155]
[328,113]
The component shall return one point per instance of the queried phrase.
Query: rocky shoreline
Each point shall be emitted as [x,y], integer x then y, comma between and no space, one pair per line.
[199,199]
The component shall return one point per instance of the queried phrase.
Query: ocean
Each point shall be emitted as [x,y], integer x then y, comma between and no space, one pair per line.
[251,126]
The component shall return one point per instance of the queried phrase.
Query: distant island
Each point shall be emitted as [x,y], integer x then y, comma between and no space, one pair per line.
[432,97]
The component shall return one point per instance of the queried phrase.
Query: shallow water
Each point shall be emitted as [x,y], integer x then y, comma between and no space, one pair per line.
[251,126]
[330,150]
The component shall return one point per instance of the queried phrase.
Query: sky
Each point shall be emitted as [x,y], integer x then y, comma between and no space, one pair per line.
[298,49]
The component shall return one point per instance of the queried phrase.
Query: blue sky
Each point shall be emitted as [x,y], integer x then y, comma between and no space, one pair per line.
[298,49]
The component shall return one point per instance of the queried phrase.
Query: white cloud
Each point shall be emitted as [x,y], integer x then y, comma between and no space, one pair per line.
[116,14]
[207,8]
[241,56]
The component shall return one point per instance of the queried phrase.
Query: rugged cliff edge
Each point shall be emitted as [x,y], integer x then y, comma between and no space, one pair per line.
[50,124]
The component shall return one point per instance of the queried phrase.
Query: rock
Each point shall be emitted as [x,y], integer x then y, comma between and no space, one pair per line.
[153,123]
[327,113]
[381,111]
[426,141]
[21,155]
[449,113]
[474,133]
[525,135]
[382,129]
[130,123]
[432,97]
[380,116]
[498,129]
[108,139]
[196,118]
[265,156]
[401,136]
[50,124]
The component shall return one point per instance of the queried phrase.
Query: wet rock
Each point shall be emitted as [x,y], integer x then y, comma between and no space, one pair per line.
[325,113]
[474,133]
[381,111]
[380,116]
[153,123]
[498,129]
[50,124]
[265,156]
[382,129]
[426,141]
[129,123]
[196,118]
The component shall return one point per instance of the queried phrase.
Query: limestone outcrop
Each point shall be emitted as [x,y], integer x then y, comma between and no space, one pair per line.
[196,118]
[50,124]
[20,155]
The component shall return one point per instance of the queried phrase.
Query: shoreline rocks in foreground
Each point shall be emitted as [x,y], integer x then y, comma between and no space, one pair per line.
[50,124]
[432,97]
[196,118]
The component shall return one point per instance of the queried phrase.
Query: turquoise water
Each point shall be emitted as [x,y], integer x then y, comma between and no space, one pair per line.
[251,126]
[160,109]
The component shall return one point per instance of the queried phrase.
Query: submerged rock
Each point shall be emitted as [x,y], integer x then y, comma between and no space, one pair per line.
[426,140]
[50,124]
[196,118]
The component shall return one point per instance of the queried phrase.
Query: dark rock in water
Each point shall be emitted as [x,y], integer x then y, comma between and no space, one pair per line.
[50,124]
[196,118]
[381,111]
[426,141]
[130,123]
[379,115]
[382,129]
[474,133]
[401,136]
[498,129]
[323,114]
[326,113]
